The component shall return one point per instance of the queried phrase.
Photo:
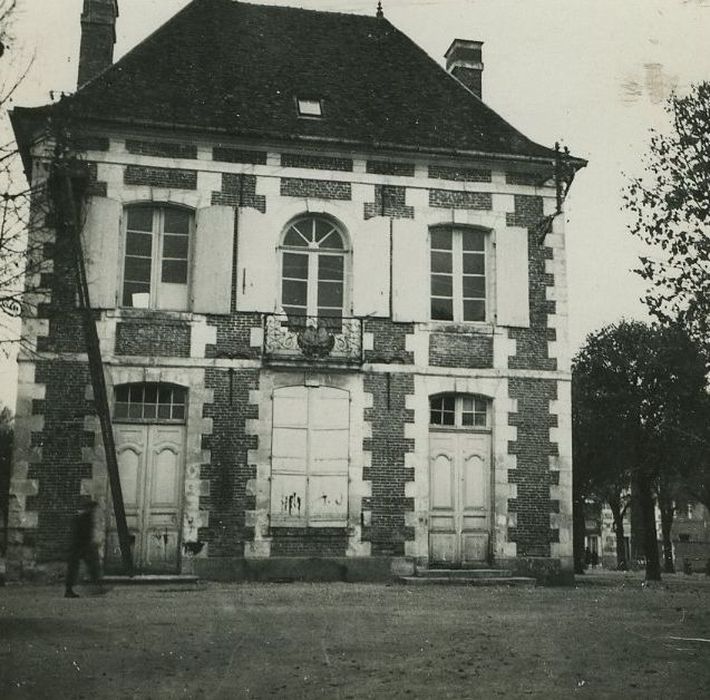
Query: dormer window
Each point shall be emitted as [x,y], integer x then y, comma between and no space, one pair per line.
[309,108]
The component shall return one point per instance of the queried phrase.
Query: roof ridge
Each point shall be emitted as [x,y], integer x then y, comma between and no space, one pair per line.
[293,8]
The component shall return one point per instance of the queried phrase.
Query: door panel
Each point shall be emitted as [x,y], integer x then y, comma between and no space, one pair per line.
[150,459]
[459,494]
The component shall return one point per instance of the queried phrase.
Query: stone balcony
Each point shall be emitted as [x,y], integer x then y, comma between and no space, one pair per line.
[312,341]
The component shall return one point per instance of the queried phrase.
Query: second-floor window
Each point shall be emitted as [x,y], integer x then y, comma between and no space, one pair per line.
[156,257]
[458,274]
[313,260]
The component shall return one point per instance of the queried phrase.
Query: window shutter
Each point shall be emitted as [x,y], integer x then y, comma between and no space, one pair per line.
[257,263]
[371,268]
[512,291]
[100,242]
[212,262]
[410,271]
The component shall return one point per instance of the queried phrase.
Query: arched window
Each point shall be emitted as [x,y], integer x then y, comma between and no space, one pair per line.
[313,269]
[156,256]
[459,411]
[150,402]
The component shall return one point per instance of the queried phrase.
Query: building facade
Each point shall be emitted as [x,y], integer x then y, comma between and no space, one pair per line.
[331,304]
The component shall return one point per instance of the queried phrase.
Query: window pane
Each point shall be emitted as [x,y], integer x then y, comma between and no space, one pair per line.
[440,262]
[479,419]
[436,403]
[474,310]
[447,418]
[174,271]
[333,241]
[442,285]
[467,419]
[330,267]
[151,393]
[474,287]
[139,244]
[179,394]
[131,288]
[473,240]
[442,310]
[135,410]
[448,403]
[467,404]
[121,410]
[137,269]
[330,294]
[480,405]
[474,263]
[294,238]
[122,393]
[165,394]
[441,239]
[136,393]
[176,221]
[139,219]
[294,293]
[149,410]
[164,411]
[175,246]
[305,228]
[295,265]
[178,412]
[296,315]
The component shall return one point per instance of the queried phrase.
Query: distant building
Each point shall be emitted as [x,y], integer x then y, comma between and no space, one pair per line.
[330,289]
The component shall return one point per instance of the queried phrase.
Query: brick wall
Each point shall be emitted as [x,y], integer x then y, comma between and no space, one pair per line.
[308,542]
[454,199]
[160,177]
[390,200]
[460,174]
[320,189]
[61,467]
[228,470]
[389,341]
[532,475]
[239,191]
[233,335]
[161,149]
[469,350]
[390,167]
[224,154]
[532,342]
[300,160]
[154,337]
[388,474]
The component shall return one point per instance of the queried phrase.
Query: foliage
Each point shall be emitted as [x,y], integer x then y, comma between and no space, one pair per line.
[640,411]
[6,440]
[670,206]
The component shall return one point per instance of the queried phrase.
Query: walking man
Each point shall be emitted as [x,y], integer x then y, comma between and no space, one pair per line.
[83,547]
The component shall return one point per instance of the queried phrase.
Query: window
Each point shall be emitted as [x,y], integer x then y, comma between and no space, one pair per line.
[450,410]
[313,262]
[150,402]
[309,108]
[157,250]
[309,457]
[458,274]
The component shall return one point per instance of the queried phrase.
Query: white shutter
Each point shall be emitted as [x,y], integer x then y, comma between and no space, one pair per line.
[371,267]
[410,271]
[512,284]
[289,456]
[212,261]
[257,284]
[100,243]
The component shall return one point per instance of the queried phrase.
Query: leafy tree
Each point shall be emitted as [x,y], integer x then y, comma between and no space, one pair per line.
[670,206]
[640,413]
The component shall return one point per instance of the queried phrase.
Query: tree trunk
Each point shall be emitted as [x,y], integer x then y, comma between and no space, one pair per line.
[618,511]
[667,509]
[579,525]
[648,518]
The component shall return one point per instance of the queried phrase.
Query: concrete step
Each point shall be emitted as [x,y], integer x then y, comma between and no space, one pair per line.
[469,581]
[149,579]
[463,573]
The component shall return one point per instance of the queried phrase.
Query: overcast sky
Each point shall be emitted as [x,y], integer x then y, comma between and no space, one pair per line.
[593,75]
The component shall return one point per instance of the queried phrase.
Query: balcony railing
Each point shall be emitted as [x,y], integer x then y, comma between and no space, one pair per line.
[309,339]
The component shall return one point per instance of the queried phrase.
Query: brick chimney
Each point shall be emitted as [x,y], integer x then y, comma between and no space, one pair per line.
[464,62]
[98,35]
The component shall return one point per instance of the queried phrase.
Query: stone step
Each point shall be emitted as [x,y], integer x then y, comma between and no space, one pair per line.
[469,581]
[149,579]
[463,573]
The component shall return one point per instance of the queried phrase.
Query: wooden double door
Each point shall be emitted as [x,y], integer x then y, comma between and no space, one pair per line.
[151,467]
[459,497]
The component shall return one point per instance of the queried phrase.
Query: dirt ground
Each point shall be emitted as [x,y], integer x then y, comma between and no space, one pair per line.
[607,638]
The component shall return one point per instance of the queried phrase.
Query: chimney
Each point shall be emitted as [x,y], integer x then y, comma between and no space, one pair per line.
[463,61]
[98,35]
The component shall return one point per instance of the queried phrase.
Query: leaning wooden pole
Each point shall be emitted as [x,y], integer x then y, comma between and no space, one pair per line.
[64,197]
